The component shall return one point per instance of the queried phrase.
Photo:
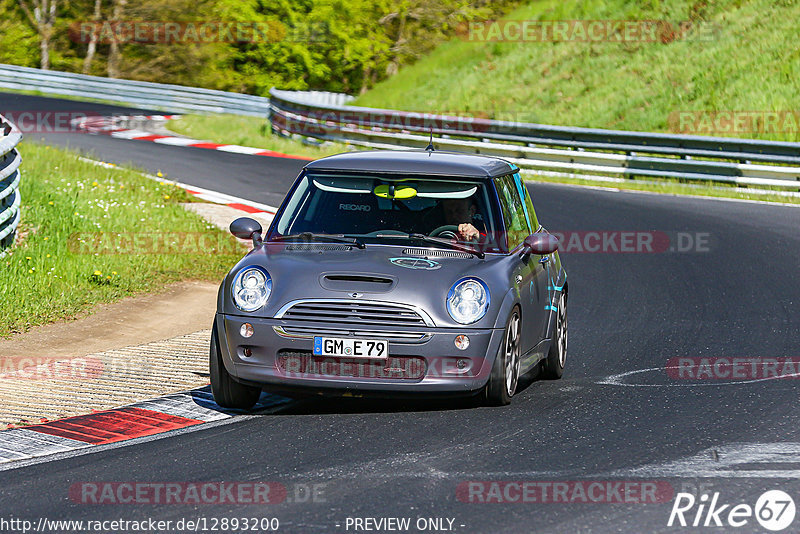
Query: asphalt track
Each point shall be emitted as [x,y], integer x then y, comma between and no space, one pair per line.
[628,312]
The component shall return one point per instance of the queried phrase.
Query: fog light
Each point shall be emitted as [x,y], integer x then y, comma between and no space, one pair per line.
[246,330]
[462,342]
[461,364]
[247,353]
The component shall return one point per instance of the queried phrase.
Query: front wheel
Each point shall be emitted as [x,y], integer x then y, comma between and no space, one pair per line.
[557,355]
[227,392]
[505,371]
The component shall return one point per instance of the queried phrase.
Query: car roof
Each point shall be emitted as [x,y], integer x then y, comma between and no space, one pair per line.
[421,162]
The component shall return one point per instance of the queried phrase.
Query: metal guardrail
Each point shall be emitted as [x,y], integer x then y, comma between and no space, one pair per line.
[143,94]
[559,149]
[562,150]
[9,182]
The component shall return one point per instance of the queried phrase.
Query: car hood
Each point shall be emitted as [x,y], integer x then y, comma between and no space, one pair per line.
[378,272]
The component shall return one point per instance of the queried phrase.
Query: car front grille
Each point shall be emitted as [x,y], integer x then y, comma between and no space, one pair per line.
[392,336]
[305,365]
[355,314]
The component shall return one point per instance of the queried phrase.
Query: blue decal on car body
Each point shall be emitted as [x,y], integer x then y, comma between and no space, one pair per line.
[416,263]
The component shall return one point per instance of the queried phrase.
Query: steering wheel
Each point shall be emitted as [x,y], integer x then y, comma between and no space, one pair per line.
[449,231]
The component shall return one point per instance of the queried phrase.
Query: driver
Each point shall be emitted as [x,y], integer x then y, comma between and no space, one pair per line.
[457,211]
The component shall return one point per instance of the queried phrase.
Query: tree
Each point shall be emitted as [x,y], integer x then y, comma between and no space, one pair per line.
[335,45]
[92,48]
[42,16]
[114,54]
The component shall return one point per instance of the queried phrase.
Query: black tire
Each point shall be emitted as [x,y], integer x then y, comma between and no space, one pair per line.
[227,392]
[505,371]
[553,367]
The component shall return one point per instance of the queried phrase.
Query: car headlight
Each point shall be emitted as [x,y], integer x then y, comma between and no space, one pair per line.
[251,288]
[468,300]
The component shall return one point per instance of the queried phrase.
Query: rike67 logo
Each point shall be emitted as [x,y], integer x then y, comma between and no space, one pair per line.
[774,510]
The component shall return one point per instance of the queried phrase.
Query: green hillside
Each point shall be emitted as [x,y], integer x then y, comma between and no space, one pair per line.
[740,55]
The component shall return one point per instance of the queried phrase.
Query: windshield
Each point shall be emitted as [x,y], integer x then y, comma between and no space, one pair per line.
[385,210]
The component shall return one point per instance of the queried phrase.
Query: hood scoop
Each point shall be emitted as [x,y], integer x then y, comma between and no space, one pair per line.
[358,282]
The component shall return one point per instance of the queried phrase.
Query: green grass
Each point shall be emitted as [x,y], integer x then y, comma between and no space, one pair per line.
[50,275]
[247,131]
[751,64]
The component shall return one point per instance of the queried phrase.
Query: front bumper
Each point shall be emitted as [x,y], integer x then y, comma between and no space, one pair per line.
[280,355]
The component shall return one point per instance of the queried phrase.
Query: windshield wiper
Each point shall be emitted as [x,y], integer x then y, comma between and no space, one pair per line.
[438,241]
[327,238]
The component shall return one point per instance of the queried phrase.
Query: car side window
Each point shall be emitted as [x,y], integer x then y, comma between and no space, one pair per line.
[513,211]
[534,222]
[521,190]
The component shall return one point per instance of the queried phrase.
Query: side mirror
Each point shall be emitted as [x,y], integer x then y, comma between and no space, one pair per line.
[541,243]
[247,228]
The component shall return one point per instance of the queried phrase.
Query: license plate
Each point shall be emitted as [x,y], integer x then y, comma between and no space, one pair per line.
[351,348]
